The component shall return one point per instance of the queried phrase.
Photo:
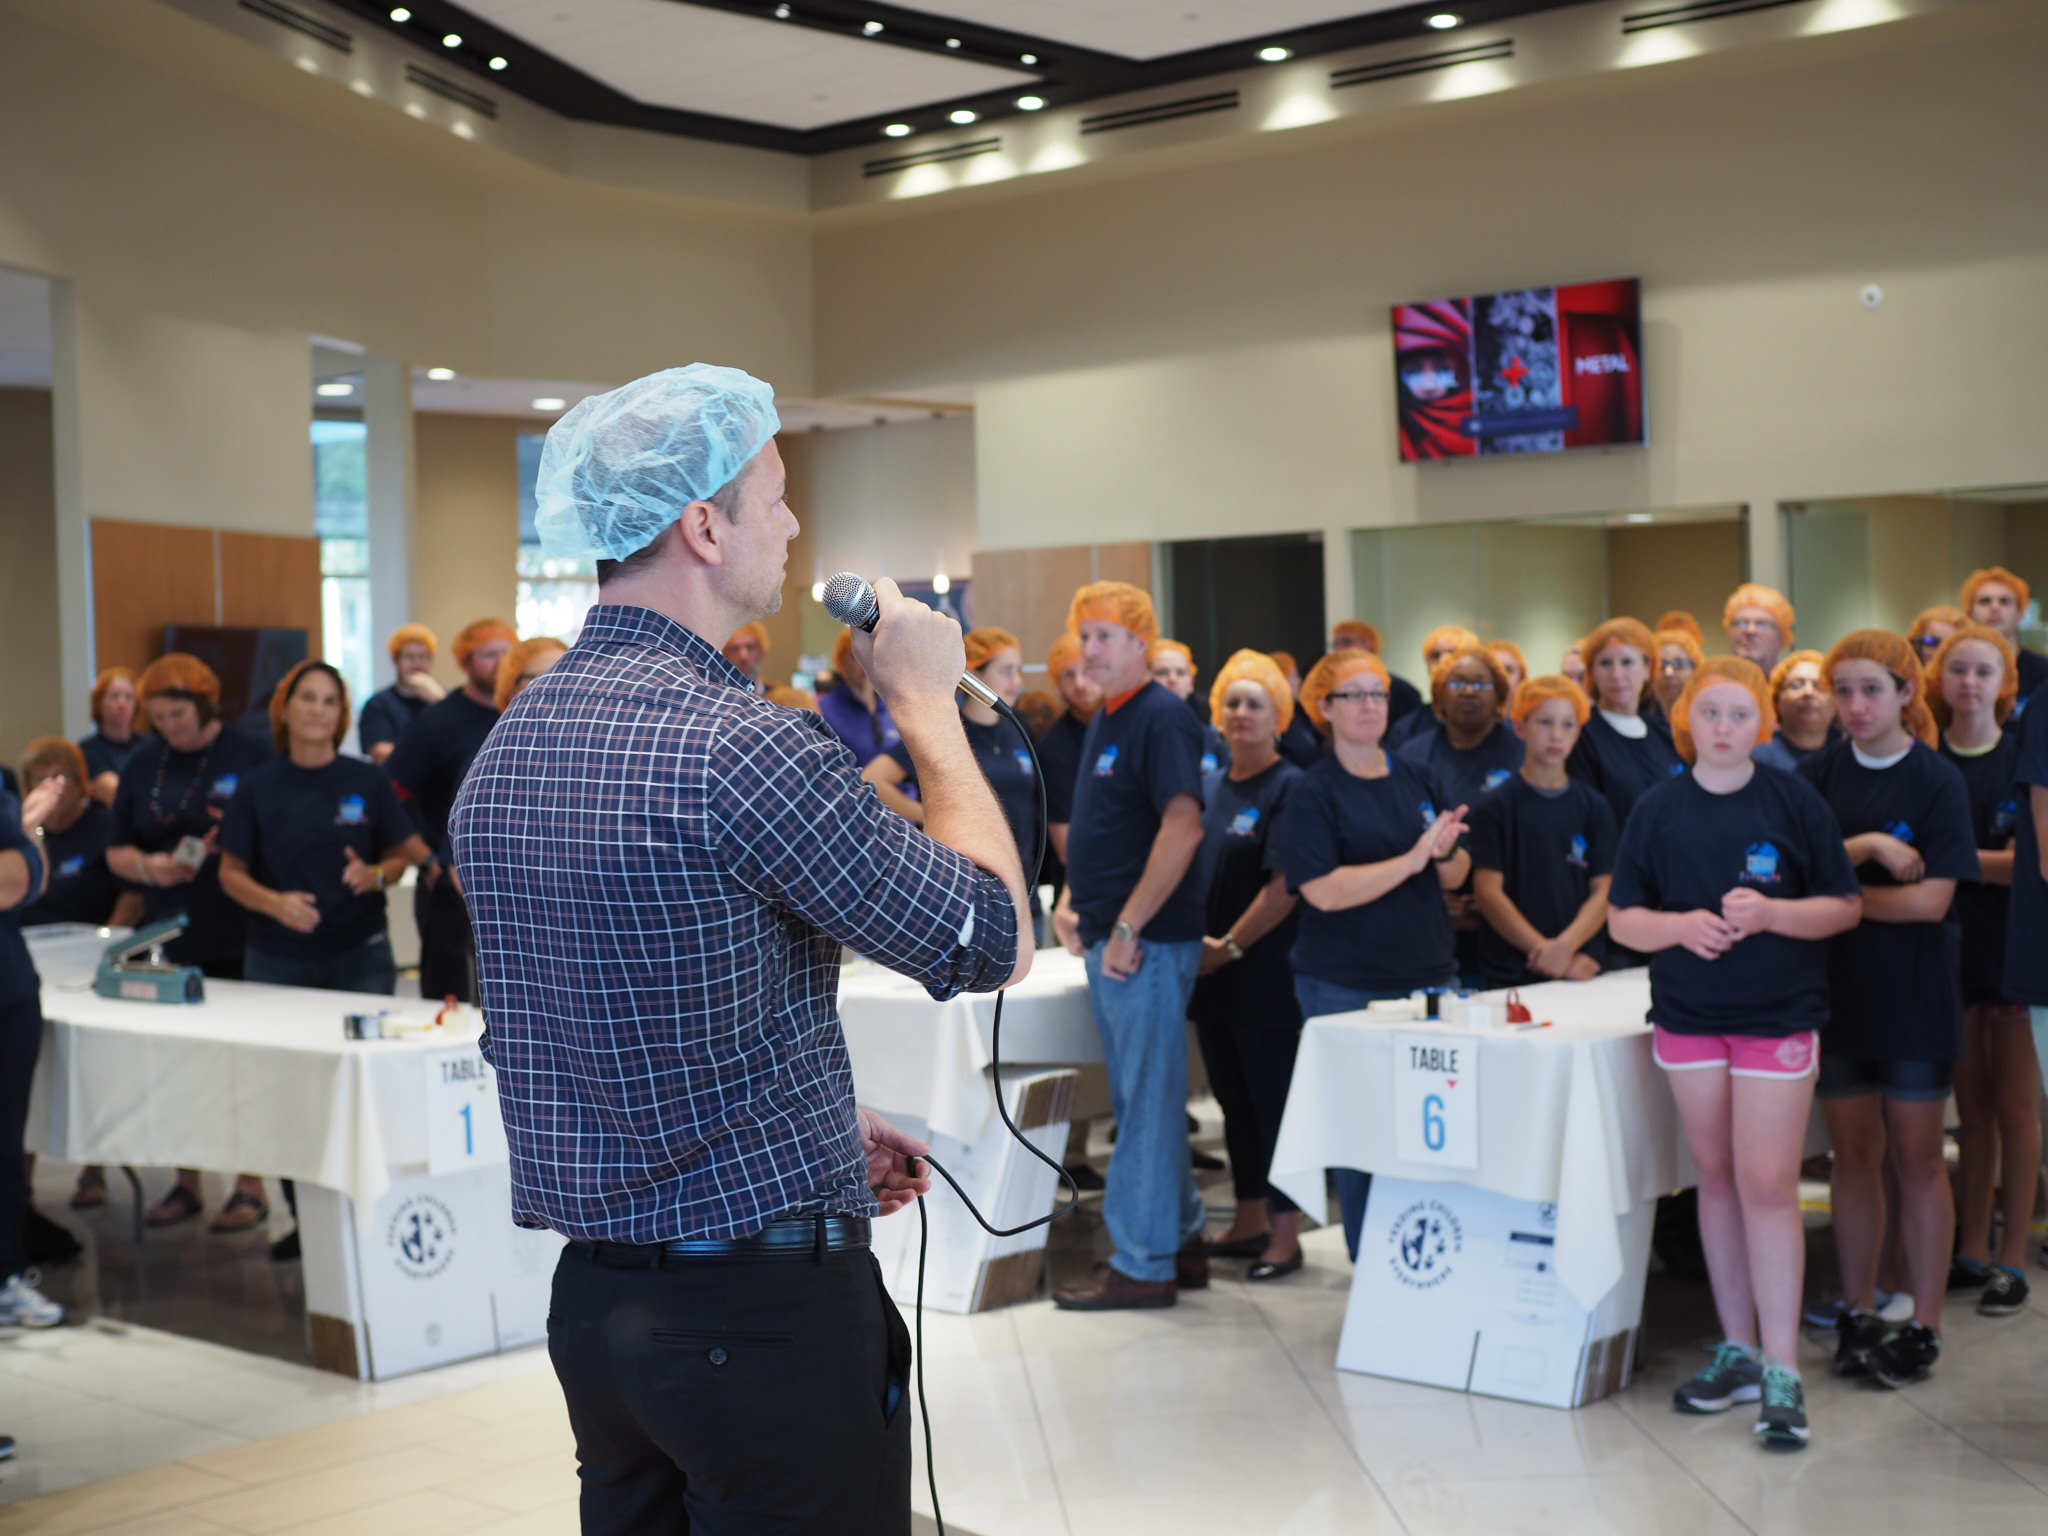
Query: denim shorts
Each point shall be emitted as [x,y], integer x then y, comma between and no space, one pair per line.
[1910,1082]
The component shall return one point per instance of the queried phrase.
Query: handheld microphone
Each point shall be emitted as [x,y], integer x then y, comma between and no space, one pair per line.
[850,600]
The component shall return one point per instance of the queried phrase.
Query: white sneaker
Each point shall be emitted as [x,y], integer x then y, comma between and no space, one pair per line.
[23,1306]
[1896,1307]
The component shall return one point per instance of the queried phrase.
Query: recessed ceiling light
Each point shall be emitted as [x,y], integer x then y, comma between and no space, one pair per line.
[498,61]
[441,375]
[897,131]
[1642,517]
[452,40]
[817,591]
[952,42]
[549,403]
[942,583]
[1030,103]
[782,13]
[963,116]
[870,28]
[334,391]
[1276,55]
[1030,58]
[1443,21]
[401,14]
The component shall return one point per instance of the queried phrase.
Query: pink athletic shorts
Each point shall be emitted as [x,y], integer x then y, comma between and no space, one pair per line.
[1790,1056]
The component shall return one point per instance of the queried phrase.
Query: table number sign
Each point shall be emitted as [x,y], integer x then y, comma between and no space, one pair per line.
[1436,1099]
[464,1127]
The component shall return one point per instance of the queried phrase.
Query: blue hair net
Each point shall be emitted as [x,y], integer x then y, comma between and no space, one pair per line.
[620,467]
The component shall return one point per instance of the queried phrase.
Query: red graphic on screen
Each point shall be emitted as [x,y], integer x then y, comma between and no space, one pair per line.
[1603,368]
[1433,378]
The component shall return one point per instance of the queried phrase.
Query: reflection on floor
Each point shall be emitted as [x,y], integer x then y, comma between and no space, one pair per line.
[1222,1414]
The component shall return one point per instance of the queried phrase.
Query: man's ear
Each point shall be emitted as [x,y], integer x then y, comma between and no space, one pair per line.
[700,530]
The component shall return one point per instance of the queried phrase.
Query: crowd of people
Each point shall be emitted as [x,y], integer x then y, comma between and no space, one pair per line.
[1819,855]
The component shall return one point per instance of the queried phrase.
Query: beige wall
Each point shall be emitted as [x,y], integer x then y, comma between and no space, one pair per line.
[1693,566]
[31,685]
[465,524]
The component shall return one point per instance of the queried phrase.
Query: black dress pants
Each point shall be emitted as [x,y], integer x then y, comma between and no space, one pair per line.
[21,1040]
[447,943]
[735,1396]
[1251,1064]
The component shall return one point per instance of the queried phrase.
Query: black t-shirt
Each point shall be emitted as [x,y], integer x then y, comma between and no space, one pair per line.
[2026,955]
[17,971]
[1684,849]
[1134,763]
[1622,769]
[1417,725]
[1465,774]
[1237,820]
[1059,754]
[104,756]
[386,715]
[1007,766]
[1333,820]
[1403,699]
[1215,751]
[1781,752]
[82,889]
[433,757]
[1997,801]
[293,827]
[1301,743]
[1897,986]
[167,796]
[2033,671]
[1549,845]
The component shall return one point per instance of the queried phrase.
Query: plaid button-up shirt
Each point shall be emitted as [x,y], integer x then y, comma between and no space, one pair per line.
[661,867]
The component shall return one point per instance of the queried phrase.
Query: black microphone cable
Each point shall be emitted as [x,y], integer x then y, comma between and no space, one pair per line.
[995,1065]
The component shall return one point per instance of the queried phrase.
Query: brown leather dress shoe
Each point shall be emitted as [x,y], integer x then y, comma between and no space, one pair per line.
[1191,1266]
[1106,1288]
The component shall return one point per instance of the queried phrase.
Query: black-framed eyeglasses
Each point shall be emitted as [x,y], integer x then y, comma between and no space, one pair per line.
[1352,696]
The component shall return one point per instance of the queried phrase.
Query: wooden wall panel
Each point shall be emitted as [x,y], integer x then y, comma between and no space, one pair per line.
[271,581]
[1028,591]
[144,576]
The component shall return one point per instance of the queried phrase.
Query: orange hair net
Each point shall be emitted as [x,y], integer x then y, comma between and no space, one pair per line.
[1440,674]
[1621,630]
[1447,634]
[1722,669]
[1514,650]
[1285,661]
[177,673]
[1551,685]
[475,637]
[1781,674]
[282,693]
[1064,653]
[1253,667]
[1999,574]
[2008,685]
[412,634]
[515,662]
[1895,654]
[986,643]
[1355,629]
[1327,675]
[758,630]
[1115,602]
[1755,595]
[1163,644]
[53,754]
[1039,710]
[1940,613]
[103,682]
[792,698]
[1678,618]
[1687,640]
[842,652]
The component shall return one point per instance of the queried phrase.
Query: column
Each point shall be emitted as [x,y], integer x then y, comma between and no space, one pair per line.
[388,451]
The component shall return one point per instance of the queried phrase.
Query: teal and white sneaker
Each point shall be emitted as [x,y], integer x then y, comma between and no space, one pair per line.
[1735,1376]
[1782,1426]
[23,1306]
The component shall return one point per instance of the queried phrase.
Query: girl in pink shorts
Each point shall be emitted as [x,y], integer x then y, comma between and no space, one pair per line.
[1730,877]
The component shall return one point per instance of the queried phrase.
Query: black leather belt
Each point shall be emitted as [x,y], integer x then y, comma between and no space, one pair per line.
[790,1237]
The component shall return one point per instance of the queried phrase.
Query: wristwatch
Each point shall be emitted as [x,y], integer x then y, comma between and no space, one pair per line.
[382,879]
[1234,949]
[1126,932]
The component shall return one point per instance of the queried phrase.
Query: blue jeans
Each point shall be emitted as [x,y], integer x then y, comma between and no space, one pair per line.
[365,968]
[1321,997]
[2038,1017]
[1151,1205]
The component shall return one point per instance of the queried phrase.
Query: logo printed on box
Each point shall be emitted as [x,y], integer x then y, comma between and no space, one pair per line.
[421,1237]
[1424,1242]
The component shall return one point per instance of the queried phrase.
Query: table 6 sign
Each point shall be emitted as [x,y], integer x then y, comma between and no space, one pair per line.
[1436,1098]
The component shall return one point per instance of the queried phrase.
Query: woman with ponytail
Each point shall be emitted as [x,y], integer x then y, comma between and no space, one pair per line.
[1895,1026]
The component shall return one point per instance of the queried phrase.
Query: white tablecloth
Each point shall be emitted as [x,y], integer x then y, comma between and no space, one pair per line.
[1576,1114]
[917,1057]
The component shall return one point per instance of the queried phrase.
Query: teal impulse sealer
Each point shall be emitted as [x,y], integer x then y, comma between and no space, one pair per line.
[135,969]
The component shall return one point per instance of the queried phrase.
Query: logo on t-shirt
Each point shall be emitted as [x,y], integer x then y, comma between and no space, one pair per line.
[1577,857]
[1496,778]
[1244,822]
[1209,762]
[2005,818]
[1105,765]
[224,787]
[1760,866]
[1902,830]
[1677,769]
[71,866]
[353,812]
[1428,813]
[1024,760]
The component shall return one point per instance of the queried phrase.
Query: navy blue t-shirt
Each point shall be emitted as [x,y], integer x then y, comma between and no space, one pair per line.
[293,827]
[1135,761]
[433,757]
[82,889]
[1059,755]
[1465,774]
[1622,769]
[104,756]
[167,796]
[2033,671]
[1403,700]
[1215,751]
[386,715]
[1997,801]
[17,970]
[2026,953]
[1684,849]
[1237,821]
[1779,752]
[1334,819]
[1301,743]
[1897,987]
[1007,766]
[1549,845]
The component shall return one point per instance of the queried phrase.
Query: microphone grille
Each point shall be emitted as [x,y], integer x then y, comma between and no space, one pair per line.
[850,600]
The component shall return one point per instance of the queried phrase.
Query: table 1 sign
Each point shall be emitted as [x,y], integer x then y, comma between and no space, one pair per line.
[1436,1099]
[464,1126]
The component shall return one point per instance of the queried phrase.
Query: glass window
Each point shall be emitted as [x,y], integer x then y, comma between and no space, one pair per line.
[554,595]
[341,520]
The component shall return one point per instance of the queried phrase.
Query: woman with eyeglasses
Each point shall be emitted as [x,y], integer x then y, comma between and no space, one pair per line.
[1806,712]
[1370,842]
[1678,656]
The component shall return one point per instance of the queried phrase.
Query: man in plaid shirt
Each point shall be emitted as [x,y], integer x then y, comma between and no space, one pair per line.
[663,868]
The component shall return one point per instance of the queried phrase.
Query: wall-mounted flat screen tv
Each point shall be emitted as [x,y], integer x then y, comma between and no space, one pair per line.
[1529,370]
